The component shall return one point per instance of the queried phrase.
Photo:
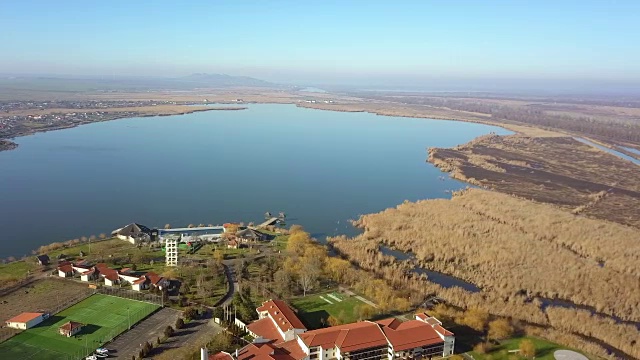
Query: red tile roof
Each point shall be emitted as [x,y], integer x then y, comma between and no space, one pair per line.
[71,325]
[265,329]
[221,356]
[409,334]
[269,351]
[442,330]
[294,349]
[68,268]
[282,314]
[154,278]
[142,280]
[350,337]
[24,317]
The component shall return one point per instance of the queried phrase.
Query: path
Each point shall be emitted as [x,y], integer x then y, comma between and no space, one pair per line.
[128,344]
[351,293]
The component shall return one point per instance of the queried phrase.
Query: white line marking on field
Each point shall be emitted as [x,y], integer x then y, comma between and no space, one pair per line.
[323,298]
[334,297]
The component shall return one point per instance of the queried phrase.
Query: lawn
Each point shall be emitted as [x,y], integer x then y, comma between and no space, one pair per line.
[104,317]
[544,349]
[313,309]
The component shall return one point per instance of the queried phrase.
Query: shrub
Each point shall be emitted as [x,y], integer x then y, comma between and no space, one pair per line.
[179,323]
[527,349]
[168,331]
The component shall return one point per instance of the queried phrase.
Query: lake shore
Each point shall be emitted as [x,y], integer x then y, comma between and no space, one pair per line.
[110,114]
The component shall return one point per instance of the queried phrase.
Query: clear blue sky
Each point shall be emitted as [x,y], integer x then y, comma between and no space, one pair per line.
[316,40]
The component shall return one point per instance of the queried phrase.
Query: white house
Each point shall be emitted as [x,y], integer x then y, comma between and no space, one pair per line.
[26,320]
[133,233]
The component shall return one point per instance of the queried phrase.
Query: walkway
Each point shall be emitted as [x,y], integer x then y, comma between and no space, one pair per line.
[351,293]
[129,344]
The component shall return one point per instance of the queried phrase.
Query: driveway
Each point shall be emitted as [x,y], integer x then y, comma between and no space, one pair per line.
[129,343]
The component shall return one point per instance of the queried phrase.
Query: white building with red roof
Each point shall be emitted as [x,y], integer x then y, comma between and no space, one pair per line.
[26,320]
[280,335]
[277,322]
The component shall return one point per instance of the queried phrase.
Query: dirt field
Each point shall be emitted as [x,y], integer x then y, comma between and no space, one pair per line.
[560,171]
[39,295]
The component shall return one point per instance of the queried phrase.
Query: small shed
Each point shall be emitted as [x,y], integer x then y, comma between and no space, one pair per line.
[43,259]
[70,328]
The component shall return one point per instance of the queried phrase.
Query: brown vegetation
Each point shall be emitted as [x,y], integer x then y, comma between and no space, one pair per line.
[558,170]
[515,250]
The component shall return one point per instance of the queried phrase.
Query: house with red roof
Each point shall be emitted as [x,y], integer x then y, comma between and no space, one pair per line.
[26,320]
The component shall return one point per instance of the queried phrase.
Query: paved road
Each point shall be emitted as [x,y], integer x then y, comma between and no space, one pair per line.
[128,344]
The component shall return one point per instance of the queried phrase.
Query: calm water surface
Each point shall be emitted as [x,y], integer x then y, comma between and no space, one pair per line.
[320,167]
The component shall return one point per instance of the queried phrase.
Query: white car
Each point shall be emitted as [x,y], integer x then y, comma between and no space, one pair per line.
[102,351]
[102,355]
[91,357]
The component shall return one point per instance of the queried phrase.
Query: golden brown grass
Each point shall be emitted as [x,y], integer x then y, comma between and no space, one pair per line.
[514,250]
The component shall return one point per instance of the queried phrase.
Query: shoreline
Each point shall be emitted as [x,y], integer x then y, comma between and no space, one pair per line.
[7,144]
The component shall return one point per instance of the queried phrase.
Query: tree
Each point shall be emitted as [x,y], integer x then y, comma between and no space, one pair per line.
[179,323]
[167,226]
[308,276]
[190,313]
[475,319]
[527,349]
[337,268]
[218,255]
[298,242]
[333,321]
[103,236]
[500,329]
[282,282]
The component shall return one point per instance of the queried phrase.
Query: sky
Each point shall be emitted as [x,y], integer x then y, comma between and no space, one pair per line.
[325,41]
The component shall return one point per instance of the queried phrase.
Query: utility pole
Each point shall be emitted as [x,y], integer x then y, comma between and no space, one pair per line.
[129,318]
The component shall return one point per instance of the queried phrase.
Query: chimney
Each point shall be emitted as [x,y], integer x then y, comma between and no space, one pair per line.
[204,354]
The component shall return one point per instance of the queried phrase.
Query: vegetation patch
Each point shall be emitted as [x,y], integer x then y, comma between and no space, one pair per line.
[322,310]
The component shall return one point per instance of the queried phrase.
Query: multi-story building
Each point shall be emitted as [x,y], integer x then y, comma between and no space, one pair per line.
[280,335]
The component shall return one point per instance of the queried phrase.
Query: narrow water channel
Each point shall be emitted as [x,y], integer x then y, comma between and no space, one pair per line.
[444,280]
[611,151]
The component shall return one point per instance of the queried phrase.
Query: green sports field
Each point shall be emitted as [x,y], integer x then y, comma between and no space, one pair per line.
[104,317]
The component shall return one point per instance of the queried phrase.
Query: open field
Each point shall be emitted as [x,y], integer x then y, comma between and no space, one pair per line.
[313,309]
[561,171]
[41,295]
[518,252]
[544,349]
[104,317]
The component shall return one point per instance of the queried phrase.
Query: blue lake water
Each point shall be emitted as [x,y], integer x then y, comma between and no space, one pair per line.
[320,167]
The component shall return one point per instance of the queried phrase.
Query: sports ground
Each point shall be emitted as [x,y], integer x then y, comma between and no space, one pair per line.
[104,317]
[313,309]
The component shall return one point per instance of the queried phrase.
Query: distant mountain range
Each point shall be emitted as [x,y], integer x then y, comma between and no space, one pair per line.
[223,80]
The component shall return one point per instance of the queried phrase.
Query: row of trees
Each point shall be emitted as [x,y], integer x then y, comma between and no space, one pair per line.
[612,130]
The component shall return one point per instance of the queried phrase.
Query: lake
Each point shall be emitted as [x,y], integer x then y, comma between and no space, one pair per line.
[320,167]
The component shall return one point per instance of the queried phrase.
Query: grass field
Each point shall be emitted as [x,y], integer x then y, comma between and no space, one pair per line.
[104,317]
[313,309]
[544,349]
